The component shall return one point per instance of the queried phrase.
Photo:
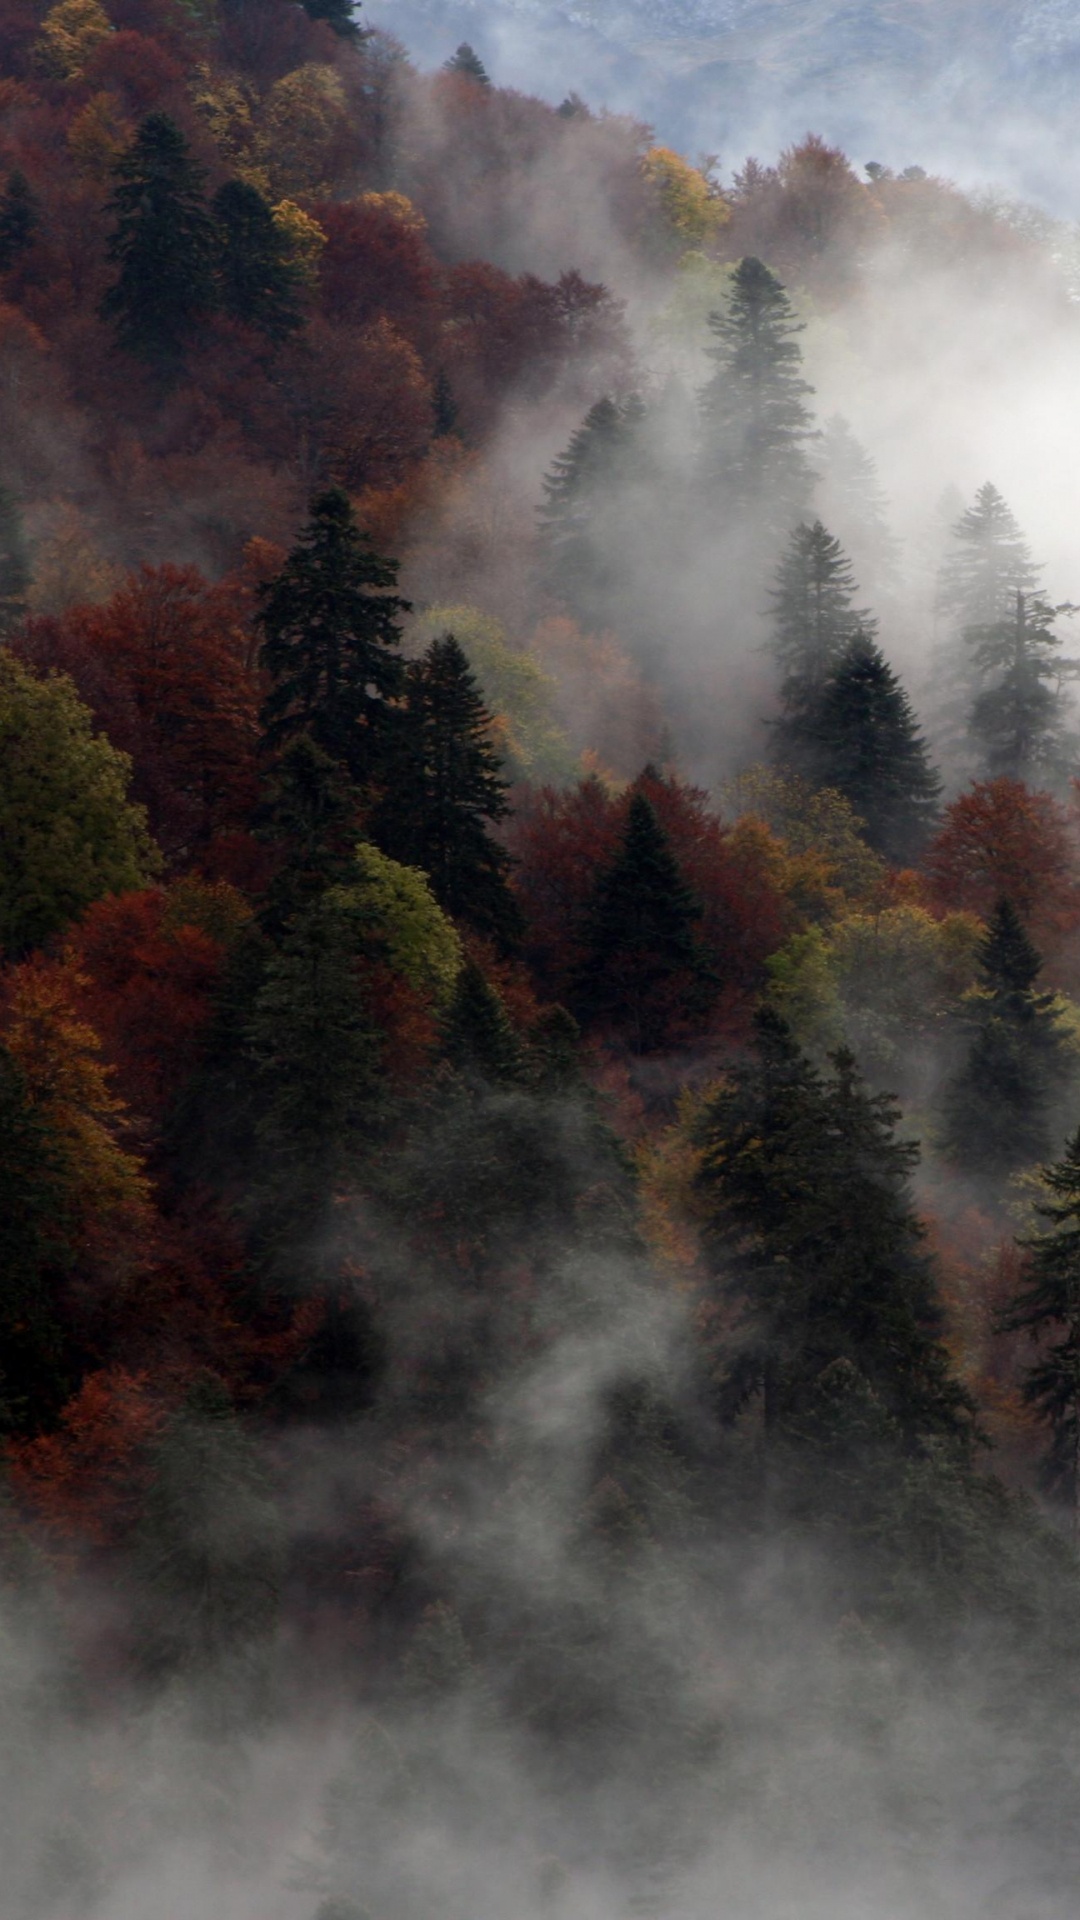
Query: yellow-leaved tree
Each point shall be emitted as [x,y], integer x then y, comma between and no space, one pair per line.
[66,1082]
[692,208]
[303,119]
[69,33]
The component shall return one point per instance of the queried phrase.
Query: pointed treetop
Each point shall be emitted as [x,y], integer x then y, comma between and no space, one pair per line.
[479,1039]
[468,62]
[1009,960]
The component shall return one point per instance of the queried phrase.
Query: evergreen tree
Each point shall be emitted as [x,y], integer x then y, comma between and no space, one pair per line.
[579,563]
[33,1208]
[1048,1308]
[208,1552]
[15,571]
[447,790]
[863,740]
[997,1106]
[479,1040]
[468,62]
[643,974]
[1017,719]
[852,501]
[163,244]
[443,406]
[257,277]
[338,14]
[815,1243]
[814,620]
[310,814]
[20,217]
[988,565]
[316,1058]
[754,421]
[330,626]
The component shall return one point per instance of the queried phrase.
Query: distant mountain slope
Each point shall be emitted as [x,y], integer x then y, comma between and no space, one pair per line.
[982,91]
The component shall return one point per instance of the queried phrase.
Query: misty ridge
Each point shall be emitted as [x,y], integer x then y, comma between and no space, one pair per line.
[539,999]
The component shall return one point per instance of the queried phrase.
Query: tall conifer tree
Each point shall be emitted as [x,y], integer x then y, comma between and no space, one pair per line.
[815,1243]
[579,558]
[163,244]
[862,738]
[257,278]
[447,791]
[814,618]
[755,424]
[853,502]
[643,973]
[997,1106]
[330,632]
[988,563]
[20,218]
[1018,719]
[1047,1307]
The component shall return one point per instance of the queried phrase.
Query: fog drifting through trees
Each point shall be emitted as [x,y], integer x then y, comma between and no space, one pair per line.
[539,1004]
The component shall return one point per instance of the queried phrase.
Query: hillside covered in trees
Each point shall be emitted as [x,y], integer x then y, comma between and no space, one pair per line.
[539,1003]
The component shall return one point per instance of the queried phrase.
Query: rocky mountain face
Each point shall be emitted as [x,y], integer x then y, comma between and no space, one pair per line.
[985,92]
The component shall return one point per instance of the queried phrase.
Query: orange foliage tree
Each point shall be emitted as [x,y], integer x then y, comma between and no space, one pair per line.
[1000,838]
[164,666]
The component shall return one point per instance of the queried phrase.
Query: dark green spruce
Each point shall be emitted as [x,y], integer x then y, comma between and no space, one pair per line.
[447,791]
[862,738]
[1047,1307]
[330,630]
[258,283]
[755,424]
[816,1247]
[20,218]
[644,977]
[814,621]
[998,1106]
[163,243]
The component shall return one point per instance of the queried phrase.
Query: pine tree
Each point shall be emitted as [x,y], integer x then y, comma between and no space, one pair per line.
[814,620]
[1017,720]
[1047,1307]
[579,565]
[862,740]
[330,626]
[257,278]
[20,217]
[754,422]
[447,790]
[643,974]
[997,1106]
[163,244]
[468,62]
[815,1243]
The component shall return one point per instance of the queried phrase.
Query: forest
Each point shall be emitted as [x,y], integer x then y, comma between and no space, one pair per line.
[539,1003]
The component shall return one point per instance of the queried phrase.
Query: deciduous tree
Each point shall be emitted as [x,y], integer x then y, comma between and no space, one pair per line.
[70,833]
